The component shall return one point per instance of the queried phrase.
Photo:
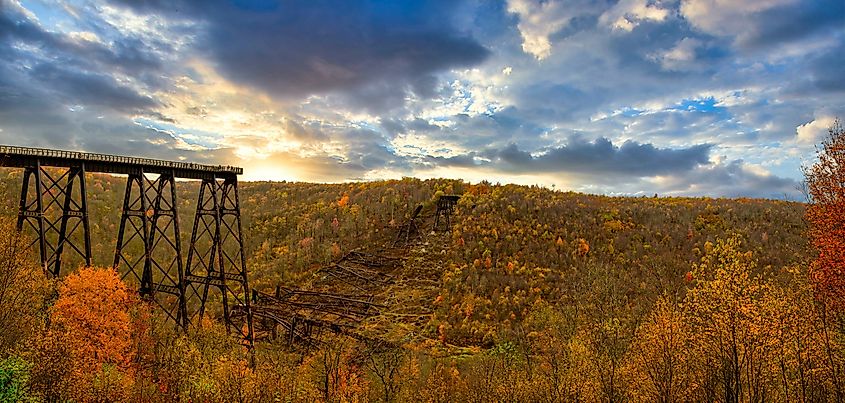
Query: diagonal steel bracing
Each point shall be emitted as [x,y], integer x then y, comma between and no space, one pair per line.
[216,261]
[445,207]
[53,205]
[149,251]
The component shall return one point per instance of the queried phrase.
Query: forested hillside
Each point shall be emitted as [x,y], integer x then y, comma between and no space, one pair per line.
[534,295]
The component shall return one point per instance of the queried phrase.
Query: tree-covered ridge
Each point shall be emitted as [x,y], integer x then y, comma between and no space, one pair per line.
[510,246]
[533,295]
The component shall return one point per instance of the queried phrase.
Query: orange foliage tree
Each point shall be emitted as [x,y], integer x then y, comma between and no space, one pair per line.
[93,312]
[826,215]
[91,325]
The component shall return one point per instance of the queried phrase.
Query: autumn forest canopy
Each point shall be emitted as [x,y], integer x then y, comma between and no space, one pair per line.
[531,294]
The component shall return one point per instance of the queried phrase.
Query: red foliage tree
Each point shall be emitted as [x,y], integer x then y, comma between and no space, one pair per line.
[826,215]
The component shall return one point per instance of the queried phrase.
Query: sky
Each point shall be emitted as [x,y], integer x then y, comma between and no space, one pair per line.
[631,97]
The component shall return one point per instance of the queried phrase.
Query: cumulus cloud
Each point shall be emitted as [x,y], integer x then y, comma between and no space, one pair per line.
[90,89]
[814,131]
[539,19]
[680,57]
[756,23]
[627,14]
[726,17]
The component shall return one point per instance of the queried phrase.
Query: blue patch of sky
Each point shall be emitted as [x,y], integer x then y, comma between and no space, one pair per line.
[697,105]
[702,105]
[50,15]
[413,148]
[464,94]
[57,19]
[367,125]
[256,5]
[787,168]
[630,112]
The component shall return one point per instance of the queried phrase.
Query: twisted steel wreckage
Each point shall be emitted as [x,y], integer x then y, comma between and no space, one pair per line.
[148,252]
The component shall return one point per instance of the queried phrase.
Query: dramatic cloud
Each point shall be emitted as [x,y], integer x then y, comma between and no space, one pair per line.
[814,132]
[733,179]
[627,14]
[603,158]
[690,97]
[538,20]
[598,158]
[763,22]
[295,49]
[682,56]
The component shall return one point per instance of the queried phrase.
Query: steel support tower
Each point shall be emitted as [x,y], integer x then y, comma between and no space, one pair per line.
[445,207]
[150,220]
[216,257]
[148,252]
[55,206]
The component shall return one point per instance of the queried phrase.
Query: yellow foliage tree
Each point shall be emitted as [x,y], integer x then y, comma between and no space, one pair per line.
[728,311]
[659,362]
[23,288]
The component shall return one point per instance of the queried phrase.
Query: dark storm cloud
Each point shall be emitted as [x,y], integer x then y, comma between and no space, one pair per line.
[74,72]
[599,157]
[123,53]
[14,25]
[828,70]
[550,101]
[59,93]
[131,55]
[731,179]
[779,25]
[30,115]
[602,157]
[368,149]
[33,116]
[494,130]
[293,49]
[80,87]
[393,126]
[77,92]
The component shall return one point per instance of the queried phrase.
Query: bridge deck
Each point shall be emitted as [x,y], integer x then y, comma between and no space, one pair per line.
[20,157]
